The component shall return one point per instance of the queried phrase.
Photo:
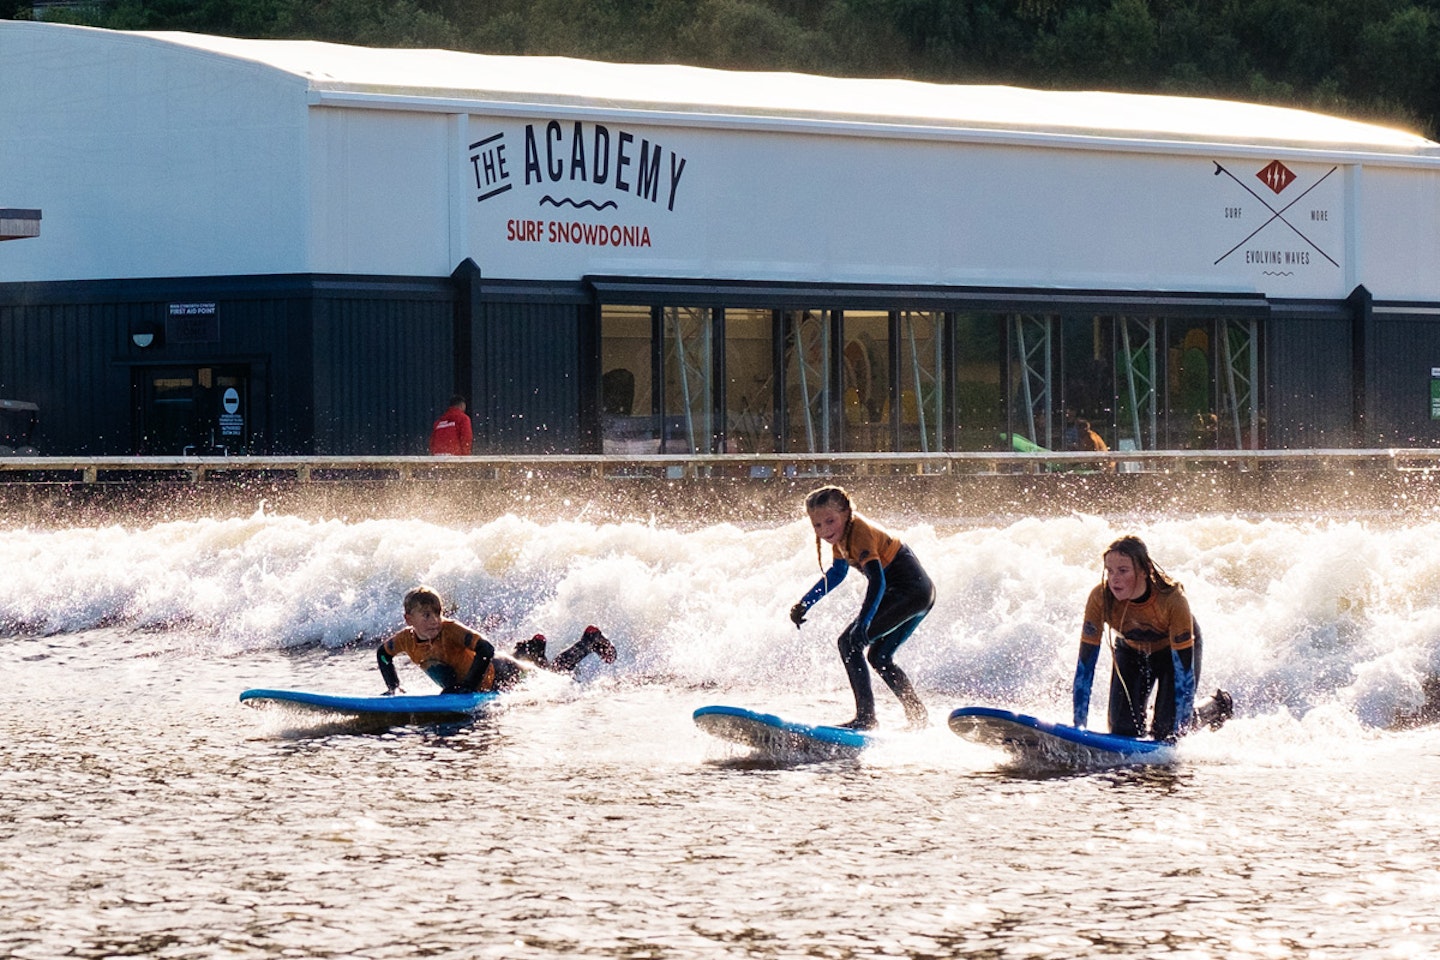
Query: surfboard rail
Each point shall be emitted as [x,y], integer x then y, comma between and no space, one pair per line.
[413,705]
[1030,739]
[774,735]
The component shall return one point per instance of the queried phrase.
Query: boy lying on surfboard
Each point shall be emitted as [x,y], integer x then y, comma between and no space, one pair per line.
[460,660]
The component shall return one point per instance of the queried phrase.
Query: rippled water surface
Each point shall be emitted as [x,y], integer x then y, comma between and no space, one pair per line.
[145,812]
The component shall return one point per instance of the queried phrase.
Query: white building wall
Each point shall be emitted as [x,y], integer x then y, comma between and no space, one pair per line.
[148,159]
[835,208]
[381,187]
[162,155]
[1399,233]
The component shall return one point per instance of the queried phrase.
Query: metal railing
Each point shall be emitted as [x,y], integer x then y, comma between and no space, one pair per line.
[313,469]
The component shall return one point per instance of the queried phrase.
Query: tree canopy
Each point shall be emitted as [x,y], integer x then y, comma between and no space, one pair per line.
[1376,60]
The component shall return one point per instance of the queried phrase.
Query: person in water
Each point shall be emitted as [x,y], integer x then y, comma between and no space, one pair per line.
[1156,648]
[898,595]
[460,660]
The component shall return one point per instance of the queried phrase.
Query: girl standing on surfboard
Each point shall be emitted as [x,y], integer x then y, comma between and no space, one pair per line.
[1155,647]
[897,597]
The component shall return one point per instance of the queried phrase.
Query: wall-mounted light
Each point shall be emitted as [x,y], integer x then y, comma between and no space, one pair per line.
[145,335]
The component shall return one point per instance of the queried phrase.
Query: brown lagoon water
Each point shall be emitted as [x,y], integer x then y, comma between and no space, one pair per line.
[145,812]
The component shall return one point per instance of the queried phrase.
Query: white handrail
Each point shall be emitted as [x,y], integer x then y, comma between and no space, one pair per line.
[760,467]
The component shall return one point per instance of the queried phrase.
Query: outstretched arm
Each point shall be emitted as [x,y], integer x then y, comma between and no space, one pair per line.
[1184,663]
[824,585]
[387,669]
[874,592]
[484,656]
[1084,679]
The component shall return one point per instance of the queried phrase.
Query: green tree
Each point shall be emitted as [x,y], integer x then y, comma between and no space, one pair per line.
[1393,63]
[1375,59]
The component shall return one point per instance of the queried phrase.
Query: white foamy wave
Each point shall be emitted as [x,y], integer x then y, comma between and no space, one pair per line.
[1297,616]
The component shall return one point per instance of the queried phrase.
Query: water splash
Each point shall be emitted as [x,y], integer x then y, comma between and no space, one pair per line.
[1298,615]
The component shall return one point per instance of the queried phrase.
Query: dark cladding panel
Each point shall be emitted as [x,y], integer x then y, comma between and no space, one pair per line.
[383,372]
[1403,373]
[57,355]
[1312,392]
[329,365]
[83,351]
[526,369]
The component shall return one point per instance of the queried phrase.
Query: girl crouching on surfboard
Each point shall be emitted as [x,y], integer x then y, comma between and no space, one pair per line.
[461,660]
[897,597]
[1156,648]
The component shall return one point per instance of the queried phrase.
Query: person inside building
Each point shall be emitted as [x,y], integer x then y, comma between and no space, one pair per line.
[1086,438]
[451,434]
[898,595]
[1155,647]
[460,660]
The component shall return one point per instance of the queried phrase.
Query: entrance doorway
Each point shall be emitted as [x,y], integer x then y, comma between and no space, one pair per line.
[193,410]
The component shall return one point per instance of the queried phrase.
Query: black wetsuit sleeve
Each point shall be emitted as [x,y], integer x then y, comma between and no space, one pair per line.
[484,656]
[1186,656]
[387,668]
[874,590]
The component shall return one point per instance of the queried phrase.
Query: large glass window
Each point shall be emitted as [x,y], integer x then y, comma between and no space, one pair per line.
[628,423]
[688,425]
[922,395]
[981,382]
[749,381]
[1033,357]
[1087,385]
[1172,383]
[686,379]
[1213,366]
[810,371]
[1240,425]
[865,381]
[1138,386]
[1192,421]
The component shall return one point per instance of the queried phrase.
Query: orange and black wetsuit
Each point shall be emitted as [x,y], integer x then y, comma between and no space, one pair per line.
[1157,648]
[458,659]
[898,596]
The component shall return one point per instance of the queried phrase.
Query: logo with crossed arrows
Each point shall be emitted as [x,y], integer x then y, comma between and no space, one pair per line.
[1277,177]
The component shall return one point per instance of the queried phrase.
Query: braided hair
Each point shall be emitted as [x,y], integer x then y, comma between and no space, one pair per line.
[837,499]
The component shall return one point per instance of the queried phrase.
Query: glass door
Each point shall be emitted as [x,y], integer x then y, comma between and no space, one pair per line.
[193,411]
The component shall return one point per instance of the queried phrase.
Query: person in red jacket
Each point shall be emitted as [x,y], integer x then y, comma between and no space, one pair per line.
[451,434]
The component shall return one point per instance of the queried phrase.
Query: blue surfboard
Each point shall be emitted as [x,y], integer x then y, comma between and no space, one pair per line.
[437,705]
[776,736]
[1030,740]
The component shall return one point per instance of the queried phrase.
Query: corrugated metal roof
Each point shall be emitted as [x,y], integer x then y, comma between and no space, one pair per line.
[670,88]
